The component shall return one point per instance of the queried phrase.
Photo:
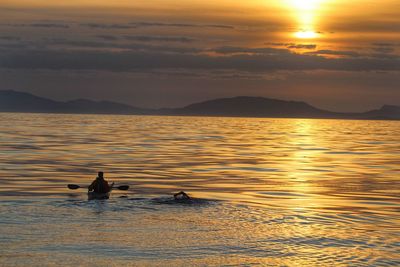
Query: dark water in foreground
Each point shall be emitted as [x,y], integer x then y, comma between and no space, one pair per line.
[274,192]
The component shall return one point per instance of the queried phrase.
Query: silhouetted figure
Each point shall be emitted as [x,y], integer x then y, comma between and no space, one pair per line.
[181,196]
[99,185]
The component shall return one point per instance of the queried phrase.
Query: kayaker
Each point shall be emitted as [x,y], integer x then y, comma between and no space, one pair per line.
[181,196]
[99,185]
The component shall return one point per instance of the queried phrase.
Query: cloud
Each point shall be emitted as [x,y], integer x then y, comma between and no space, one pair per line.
[56,43]
[246,50]
[279,44]
[129,46]
[369,25]
[302,46]
[383,56]
[294,45]
[49,25]
[10,38]
[184,25]
[385,44]
[108,37]
[125,61]
[42,25]
[335,53]
[13,46]
[140,24]
[107,26]
[383,49]
[148,38]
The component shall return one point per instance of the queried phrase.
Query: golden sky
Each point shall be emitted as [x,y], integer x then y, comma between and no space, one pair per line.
[326,52]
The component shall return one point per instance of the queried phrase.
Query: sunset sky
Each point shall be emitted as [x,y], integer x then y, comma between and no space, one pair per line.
[334,54]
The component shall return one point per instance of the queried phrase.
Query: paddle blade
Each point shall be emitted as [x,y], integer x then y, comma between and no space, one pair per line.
[123,187]
[73,186]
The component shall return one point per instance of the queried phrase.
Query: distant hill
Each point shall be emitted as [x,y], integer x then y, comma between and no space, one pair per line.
[241,106]
[387,112]
[13,101]
[25,102]
[245,106]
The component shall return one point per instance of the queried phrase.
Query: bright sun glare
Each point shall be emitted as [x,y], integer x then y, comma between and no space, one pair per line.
[305,11]
[305,4]
[306,34]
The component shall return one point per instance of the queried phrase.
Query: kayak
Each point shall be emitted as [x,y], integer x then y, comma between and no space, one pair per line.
[94,195]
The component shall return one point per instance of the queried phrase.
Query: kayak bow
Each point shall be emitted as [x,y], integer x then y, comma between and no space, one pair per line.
[94,195]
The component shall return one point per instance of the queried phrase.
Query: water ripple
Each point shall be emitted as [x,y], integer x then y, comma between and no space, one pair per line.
[267,192]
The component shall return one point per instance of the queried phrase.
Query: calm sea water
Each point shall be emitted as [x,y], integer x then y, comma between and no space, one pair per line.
[273,192]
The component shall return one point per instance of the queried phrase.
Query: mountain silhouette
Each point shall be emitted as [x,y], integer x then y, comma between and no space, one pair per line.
[245,106]
[13,101]
[386,112]
[240,106]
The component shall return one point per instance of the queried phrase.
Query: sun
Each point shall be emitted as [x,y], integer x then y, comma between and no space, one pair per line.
[305,4]
[306,13]
[306,34]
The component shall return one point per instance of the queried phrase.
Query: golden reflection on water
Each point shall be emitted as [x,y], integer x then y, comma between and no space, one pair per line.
[291,192]
[318,160]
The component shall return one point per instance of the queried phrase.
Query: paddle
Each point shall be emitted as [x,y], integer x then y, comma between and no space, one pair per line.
[75,186]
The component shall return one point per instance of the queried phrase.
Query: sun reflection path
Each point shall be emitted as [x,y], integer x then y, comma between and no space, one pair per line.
[303,157]
[305,11]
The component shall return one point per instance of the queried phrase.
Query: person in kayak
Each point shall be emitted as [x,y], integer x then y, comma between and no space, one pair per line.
[99,185]
[181,196]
